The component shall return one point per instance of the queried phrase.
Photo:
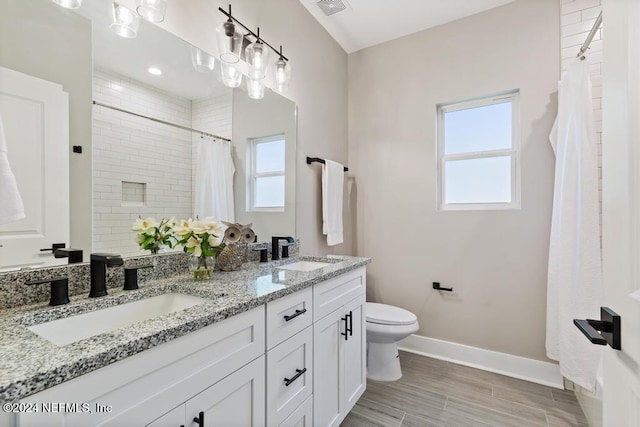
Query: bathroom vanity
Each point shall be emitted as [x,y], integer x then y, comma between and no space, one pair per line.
[276,344]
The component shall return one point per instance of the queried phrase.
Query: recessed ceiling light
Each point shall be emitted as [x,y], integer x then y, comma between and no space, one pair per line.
[155,71]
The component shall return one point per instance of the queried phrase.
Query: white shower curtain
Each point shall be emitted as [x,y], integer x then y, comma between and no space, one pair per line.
[574,287]
[214,181]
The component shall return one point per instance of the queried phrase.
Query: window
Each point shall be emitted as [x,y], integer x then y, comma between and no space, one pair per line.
[478,162]
[266,173]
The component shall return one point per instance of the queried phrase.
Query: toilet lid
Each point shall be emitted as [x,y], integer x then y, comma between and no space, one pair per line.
[389,315]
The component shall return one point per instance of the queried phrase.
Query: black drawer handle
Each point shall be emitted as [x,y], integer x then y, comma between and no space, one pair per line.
[293,316]
[299,373]
[351,323]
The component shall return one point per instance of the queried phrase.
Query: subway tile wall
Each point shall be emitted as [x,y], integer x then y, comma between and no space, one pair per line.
[143,168]
[576,20]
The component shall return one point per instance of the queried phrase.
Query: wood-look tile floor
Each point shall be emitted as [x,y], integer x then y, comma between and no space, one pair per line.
[434,393]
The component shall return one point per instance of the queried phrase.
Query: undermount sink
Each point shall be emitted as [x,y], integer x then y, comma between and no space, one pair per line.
[304,265]
[74,328]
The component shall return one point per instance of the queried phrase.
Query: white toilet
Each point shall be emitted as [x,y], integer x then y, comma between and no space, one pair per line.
[386,325]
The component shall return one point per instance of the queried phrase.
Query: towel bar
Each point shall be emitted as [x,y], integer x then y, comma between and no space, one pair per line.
[319,160]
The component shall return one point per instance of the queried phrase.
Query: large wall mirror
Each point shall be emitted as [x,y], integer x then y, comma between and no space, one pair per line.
[144,167]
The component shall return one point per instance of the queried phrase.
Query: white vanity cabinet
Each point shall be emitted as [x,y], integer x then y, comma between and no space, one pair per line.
[296,361]
[142,388]
[339,340]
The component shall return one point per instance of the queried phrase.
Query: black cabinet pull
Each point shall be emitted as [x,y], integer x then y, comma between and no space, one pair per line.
[299,373]
[293,316]
[346,328]
[350,323]
[199,419]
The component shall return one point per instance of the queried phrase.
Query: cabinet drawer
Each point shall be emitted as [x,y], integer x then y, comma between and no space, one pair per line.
[287,316]
[289,376]
[302,416]
[332,294]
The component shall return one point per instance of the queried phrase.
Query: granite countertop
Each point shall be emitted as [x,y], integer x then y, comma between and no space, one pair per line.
[29,363]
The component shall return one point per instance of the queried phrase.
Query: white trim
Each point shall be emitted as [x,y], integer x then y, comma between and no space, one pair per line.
[536,371]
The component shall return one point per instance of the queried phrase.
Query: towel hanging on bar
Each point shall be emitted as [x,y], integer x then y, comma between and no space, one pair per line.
[319,160]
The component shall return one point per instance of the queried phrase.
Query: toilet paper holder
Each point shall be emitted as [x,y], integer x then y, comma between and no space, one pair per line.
[436,286]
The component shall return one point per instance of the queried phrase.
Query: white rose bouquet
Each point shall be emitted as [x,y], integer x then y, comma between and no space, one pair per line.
[153,234]
[202,238]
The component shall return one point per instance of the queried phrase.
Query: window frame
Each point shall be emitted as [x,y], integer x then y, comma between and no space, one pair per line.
[512,96]
[253,175]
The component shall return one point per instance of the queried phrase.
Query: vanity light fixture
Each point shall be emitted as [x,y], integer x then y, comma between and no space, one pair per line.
[255,89]
[256,56]
[202,61]
[229,40]
[155,71]
[125,21]
[152,10]
[231,76]
[283,73]
[69,4]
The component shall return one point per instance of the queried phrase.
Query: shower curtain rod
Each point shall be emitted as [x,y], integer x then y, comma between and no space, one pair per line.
[202,133]
[590,37]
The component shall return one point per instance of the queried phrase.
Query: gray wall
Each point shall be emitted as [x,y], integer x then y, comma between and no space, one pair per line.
[37,39]
[496,261]
[318,87]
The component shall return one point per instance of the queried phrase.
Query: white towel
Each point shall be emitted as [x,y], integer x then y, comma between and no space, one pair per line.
[332,187]
[11,207]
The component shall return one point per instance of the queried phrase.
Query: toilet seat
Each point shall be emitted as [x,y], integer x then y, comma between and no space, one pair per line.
[384,314]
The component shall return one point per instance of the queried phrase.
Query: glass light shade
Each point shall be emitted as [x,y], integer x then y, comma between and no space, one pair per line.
[229,42]
[202,62]
[283,75]
[125,21]
[257,56]
[255,89]
[69,4]
[231,76]
[152,10]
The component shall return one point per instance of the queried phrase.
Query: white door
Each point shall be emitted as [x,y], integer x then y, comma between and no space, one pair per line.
[621,207]
[35,115]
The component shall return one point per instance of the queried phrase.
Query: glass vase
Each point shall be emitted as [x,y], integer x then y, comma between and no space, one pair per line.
[201,267]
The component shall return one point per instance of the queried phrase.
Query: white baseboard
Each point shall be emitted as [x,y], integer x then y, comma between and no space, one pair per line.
[536,371]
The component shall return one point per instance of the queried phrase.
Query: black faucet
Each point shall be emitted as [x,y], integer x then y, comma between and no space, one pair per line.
[74,255]
[275,246]
[99,264]
[59,289]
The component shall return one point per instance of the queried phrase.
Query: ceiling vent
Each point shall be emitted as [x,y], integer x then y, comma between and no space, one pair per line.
[331,7]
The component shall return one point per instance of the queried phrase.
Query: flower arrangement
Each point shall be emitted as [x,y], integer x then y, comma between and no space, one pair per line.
[153,234]
[202,239]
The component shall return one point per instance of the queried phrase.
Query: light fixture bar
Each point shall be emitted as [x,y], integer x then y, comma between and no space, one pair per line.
[228,15]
